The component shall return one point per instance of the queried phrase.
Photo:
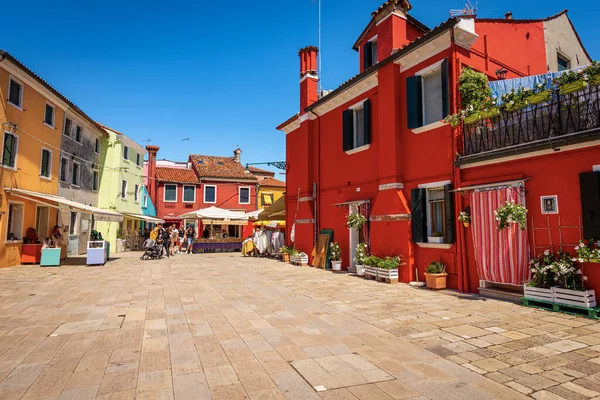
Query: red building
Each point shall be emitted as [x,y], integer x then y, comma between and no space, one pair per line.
[207,181]
[375,145]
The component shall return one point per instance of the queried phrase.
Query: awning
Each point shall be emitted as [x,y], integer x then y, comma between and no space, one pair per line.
[351,203]
[491,186]
[64,204]
[215,213]
[146,218]
[224,222]
[274,212]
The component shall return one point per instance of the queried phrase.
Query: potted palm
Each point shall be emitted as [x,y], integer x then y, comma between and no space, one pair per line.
[335,255]
[435,275]
[359,258]
[285,254]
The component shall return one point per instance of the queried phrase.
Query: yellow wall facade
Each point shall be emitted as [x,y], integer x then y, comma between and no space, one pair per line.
[277,192]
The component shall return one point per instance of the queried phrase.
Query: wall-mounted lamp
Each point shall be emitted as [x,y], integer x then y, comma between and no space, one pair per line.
[501,73]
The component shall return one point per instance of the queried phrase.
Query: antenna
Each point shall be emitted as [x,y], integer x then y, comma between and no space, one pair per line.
[188,140]
[149,141]
[468,10]
[320,54]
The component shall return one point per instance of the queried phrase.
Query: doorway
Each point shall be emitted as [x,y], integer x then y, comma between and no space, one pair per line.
[42,222]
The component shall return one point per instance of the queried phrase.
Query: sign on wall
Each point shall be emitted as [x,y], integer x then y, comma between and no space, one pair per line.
[549,204]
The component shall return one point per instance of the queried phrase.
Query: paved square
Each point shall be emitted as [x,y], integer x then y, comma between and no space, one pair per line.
[226,327]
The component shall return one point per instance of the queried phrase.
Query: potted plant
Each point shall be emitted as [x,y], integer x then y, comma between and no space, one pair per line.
[435,275]
[371,264]
[293,255]
[285,254]
[465,218]
[335,255]
[436,237]
[388,268]
[356,220]
[301,259]
[570,81]
[511,213]
[359,258]
[588,252]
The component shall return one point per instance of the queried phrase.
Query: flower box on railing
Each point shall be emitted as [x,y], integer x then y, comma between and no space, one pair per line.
[573,87]
[585,298]
[538,293]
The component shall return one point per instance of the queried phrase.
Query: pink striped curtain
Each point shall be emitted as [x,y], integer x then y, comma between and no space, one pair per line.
[501,256]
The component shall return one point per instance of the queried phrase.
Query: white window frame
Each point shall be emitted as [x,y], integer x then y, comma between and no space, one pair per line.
[98,144]
[61,170]
[210,202]
[53,126]
[8,230]
[249,194]
[429,186]
[78,184]
[126,158]
[16,152]
[126,189]
[565,58]
[183,194]
[374,58]
[354,108]
[136,195]
[18,82]
[165,192]
[49,177]
[145,200]
[426,71]
[95,172]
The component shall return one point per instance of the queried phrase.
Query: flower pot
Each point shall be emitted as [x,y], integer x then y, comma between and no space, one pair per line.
[539,97]
[436,281]
[435,239]
[466,224]
[389,274]
[336,265]
[360,270]
[471,119]
[573,87]
[584,298]
[494,112]
[538,293]
[370,271]
[285,257]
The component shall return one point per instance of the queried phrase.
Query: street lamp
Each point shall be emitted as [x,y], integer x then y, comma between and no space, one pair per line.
[277,164]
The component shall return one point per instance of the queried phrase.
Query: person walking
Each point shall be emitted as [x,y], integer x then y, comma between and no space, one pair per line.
[190,234]
[167,241]
[174,238]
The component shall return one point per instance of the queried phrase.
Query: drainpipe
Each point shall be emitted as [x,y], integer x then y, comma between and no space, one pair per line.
[317,186]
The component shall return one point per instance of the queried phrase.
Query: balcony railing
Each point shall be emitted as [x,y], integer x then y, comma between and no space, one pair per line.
[563,117]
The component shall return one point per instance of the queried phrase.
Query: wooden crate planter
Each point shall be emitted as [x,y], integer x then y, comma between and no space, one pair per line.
[586,298]
[387,275]
[436,281]
[370,272]
[538,293]
[300,260]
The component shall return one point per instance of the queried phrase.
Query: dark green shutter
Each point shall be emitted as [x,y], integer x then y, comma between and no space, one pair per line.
[450,234]
[367,121]
[367,55]
[414,102]
[589,186]
[445,89]
[418,222]
[348,129]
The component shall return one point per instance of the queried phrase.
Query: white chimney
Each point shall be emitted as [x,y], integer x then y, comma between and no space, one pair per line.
[237,155]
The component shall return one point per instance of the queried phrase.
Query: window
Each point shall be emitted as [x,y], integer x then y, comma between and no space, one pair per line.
[75,174]
[97,146]
[63,169]
[49,115]
[357,126]
[15,93]
[9,150]
[145,201]
[436,218]
[15,221]
[189,194]
[78,130]
[95,180]
[137,160]
[46,163]
[67,127]
[244,195]
[125,153]
[563,62]
[210,194]
[432,210]
[427,95]
[170,193]
[136,194]
[373,51]
[267,199]
[72,230]
[124,189]
[370,53]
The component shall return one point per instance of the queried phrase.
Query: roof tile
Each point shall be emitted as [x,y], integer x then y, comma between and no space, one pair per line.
[220,167]
[272,182]
[179,175]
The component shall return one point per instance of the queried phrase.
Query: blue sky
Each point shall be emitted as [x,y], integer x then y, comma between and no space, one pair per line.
[222,73]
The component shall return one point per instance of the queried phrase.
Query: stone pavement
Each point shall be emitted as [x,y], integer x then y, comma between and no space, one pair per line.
[226,327]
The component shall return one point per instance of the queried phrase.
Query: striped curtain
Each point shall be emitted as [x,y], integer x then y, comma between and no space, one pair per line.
[365,210]
[501,256]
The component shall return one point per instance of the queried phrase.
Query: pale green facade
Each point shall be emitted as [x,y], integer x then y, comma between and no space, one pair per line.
[120,185]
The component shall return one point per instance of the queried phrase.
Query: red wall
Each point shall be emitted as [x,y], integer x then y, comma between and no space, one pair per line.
[167,210]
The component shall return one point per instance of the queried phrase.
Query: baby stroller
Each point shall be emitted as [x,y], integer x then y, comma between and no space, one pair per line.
[153,251]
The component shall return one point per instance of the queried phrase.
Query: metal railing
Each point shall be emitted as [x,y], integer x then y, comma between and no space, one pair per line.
[560,116]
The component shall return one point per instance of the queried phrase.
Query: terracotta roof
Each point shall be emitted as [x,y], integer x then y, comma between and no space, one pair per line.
[178,175]
[6,56]
[219,167]
[272,182]
[259,171]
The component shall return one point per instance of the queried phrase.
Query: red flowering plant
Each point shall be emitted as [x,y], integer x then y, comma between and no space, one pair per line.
[556,269]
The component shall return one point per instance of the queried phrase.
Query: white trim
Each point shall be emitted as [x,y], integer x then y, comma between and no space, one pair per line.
[542,198]
[464,33]
[95,171]
[352,92]
[292,126]
[307,116]
[126,189]
[309,75]
[136,195]
[7,231]
[391,186]
[428,127]
[358,149]
[389,15]
[183,194]
[429,186]
[19,82]
[435,245]
[53,126]
[373,39]
[425,52]
[434,185]
[431,68]
[78,184]
[165,192]
[240,194]
[357,105]
[596,168]
[204,192]
[16,152]
[24,77]
[49,177]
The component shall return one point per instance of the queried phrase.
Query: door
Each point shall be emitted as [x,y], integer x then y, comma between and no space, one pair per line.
[42,222]
[354,238]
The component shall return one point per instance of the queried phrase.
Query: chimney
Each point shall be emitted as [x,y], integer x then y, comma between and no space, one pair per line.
[508,15]
[308,77]
[237,155]
[152,150]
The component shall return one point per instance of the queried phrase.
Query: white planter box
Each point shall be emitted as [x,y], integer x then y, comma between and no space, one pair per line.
[371,271]
[586,298]
[299,259]
[437,240]
[336,265]
[360,270]
[538,293]
[387,273]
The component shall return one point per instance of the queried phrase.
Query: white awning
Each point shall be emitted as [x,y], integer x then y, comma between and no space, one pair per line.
[215,213]
[206,222]
[64,204]
[146,218]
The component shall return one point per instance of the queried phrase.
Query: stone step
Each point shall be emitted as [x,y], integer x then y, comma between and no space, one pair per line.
[501,294]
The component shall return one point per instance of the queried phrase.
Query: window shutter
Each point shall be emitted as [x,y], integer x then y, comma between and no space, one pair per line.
[348,122]
[367,121]
[418,220]
[414,102]
[367,55]
[445,89]
[589,185]
[450,234]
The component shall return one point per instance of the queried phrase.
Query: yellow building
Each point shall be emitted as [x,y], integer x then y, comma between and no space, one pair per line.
[269,188]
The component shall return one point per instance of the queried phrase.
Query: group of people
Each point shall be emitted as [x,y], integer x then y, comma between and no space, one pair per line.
[264,241]
[170,239]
